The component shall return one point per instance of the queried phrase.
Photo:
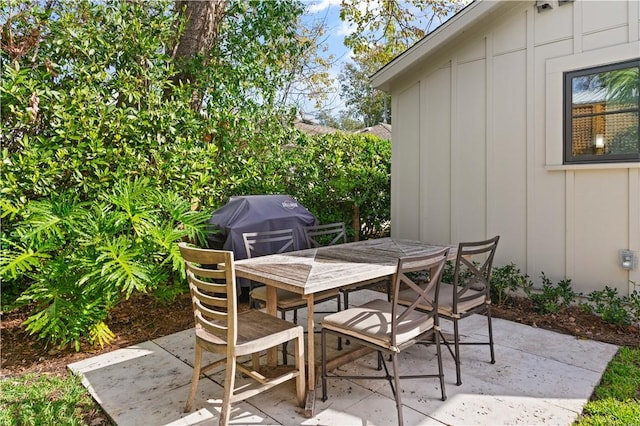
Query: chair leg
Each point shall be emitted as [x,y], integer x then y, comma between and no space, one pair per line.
[323,346]
[396,380]
[255,360]
[301,379]
[456,344]
[283,315]
[252,303]
[229,384]
[436,338]
[194,379]
[346,306]
[339,309]
[493,357]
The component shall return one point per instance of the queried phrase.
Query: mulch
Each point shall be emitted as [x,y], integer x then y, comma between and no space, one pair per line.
[141,318]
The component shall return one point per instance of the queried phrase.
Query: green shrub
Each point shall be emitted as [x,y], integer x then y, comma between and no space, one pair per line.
[105,164]
[552,298]
[80,258]
[448,274]
[331,174]
[506,281]
[613,308]
[634,303]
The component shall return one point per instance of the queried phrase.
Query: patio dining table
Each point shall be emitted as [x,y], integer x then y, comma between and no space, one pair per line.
[310,271]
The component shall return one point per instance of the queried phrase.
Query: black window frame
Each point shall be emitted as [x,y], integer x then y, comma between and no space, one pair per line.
[569,158]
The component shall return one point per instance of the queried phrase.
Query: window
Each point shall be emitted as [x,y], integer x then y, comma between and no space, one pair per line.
[602,114]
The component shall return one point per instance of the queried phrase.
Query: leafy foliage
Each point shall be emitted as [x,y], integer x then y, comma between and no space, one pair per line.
[331,174]
[507,281]
[613,308]
[367,104]
[88,254]
[310,70]
[381,31]
[393,25]
[553,297]
[106,165]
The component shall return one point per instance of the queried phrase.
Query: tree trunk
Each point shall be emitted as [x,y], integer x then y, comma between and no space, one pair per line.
[201,30]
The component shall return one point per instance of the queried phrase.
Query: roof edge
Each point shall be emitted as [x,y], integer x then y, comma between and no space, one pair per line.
[456,25]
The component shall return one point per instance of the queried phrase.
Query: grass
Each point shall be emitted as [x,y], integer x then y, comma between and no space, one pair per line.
[38,399]
[616,400]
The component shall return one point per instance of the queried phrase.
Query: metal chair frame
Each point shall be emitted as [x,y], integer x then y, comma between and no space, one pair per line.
[470,293]
[390,328]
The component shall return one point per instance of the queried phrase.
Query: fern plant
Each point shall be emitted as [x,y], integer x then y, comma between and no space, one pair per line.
[81,259]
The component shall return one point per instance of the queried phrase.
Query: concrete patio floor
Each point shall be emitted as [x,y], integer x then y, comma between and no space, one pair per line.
[540,377]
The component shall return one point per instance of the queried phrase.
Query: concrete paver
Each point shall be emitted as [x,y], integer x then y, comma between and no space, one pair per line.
[540,377]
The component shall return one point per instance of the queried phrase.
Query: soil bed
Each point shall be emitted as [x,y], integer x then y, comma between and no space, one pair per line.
[140,319]
[574,321]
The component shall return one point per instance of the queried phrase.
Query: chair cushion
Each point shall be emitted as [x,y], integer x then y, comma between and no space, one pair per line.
[289,299]
[372,322]
[445,302]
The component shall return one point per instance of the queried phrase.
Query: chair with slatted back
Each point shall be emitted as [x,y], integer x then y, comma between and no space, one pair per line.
[468,294]
[273,242]
[390,328]
[222,330]
[325,235]
[267,242]
[335,233]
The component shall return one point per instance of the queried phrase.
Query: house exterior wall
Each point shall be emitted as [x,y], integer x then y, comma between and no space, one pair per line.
[477,144]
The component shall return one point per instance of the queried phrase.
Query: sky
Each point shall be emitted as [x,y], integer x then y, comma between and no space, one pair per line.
[328,11]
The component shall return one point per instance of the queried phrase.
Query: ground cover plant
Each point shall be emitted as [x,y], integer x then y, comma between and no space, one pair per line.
[44,400]
[81,258]
[616,401]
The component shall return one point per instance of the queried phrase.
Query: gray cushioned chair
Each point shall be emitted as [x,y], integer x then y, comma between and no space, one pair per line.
[390,328]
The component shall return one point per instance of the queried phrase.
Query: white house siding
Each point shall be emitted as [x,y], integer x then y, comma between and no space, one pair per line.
[405,188]
[435,156]
[477,144]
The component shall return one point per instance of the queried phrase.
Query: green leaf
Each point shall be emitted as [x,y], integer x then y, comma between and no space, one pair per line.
[19,260]
[122,265]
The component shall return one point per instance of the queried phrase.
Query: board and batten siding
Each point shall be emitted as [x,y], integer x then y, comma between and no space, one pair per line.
[477,145]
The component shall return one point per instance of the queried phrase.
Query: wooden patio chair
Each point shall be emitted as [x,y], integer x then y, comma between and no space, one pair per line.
[281,241]
[469,294]
[221,329]
[389,327]
[335,233]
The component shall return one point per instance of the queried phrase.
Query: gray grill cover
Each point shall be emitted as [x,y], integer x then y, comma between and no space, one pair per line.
[257,213]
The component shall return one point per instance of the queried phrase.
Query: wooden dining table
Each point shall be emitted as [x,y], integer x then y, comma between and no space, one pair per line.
[310,271]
